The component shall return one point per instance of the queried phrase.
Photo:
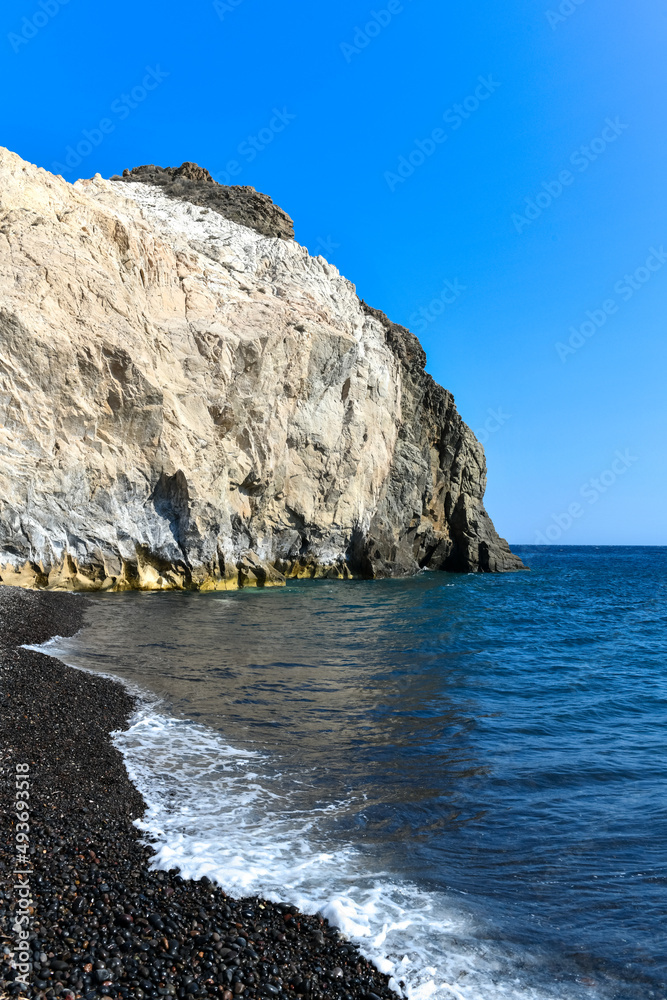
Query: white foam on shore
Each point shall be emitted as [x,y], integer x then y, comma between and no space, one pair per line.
[230,814]
[221,812]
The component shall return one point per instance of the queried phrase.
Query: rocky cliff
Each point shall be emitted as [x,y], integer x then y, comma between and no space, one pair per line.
[192,183]
[188,399]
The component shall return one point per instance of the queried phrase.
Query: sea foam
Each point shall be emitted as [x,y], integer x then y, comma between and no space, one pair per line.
[216,811]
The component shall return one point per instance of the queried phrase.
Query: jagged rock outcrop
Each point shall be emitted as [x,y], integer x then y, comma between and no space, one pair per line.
[192,183]
[185,402]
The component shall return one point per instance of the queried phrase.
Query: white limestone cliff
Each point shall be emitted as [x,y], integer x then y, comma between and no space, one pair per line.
[186,403]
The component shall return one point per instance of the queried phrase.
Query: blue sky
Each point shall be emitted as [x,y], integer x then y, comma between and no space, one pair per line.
[492,175]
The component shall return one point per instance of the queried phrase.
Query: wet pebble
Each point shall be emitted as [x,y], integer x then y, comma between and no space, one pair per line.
[105,926]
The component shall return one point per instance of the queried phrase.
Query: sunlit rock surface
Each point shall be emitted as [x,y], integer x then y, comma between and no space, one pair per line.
[188,403]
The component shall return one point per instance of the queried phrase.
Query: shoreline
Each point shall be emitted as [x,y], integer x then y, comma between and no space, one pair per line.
[98,922]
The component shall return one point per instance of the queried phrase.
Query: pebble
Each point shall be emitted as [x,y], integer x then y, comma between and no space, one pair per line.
[105,926]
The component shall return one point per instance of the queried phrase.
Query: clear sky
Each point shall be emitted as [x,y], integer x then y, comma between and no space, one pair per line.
[490,174]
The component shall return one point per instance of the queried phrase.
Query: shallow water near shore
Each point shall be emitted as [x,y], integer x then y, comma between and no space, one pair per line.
[465,773]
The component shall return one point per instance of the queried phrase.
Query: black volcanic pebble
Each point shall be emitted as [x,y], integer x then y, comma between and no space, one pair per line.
[104,924]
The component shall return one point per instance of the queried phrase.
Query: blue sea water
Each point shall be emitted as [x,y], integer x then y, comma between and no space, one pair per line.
[465,773]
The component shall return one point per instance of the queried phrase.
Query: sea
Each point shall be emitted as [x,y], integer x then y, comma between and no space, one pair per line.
[465,773]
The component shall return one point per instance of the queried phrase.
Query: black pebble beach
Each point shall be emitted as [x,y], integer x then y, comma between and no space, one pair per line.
[101,923]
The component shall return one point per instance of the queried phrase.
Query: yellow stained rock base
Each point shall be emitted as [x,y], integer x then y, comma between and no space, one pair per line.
[308,570]
[69,576]
[150,574]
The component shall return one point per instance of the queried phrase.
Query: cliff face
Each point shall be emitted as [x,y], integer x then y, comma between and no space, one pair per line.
[188,402]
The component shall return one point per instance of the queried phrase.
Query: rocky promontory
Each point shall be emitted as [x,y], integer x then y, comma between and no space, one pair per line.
[193,184]
[188,399]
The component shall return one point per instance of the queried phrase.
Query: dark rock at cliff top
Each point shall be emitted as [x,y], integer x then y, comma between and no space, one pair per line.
[192,183]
